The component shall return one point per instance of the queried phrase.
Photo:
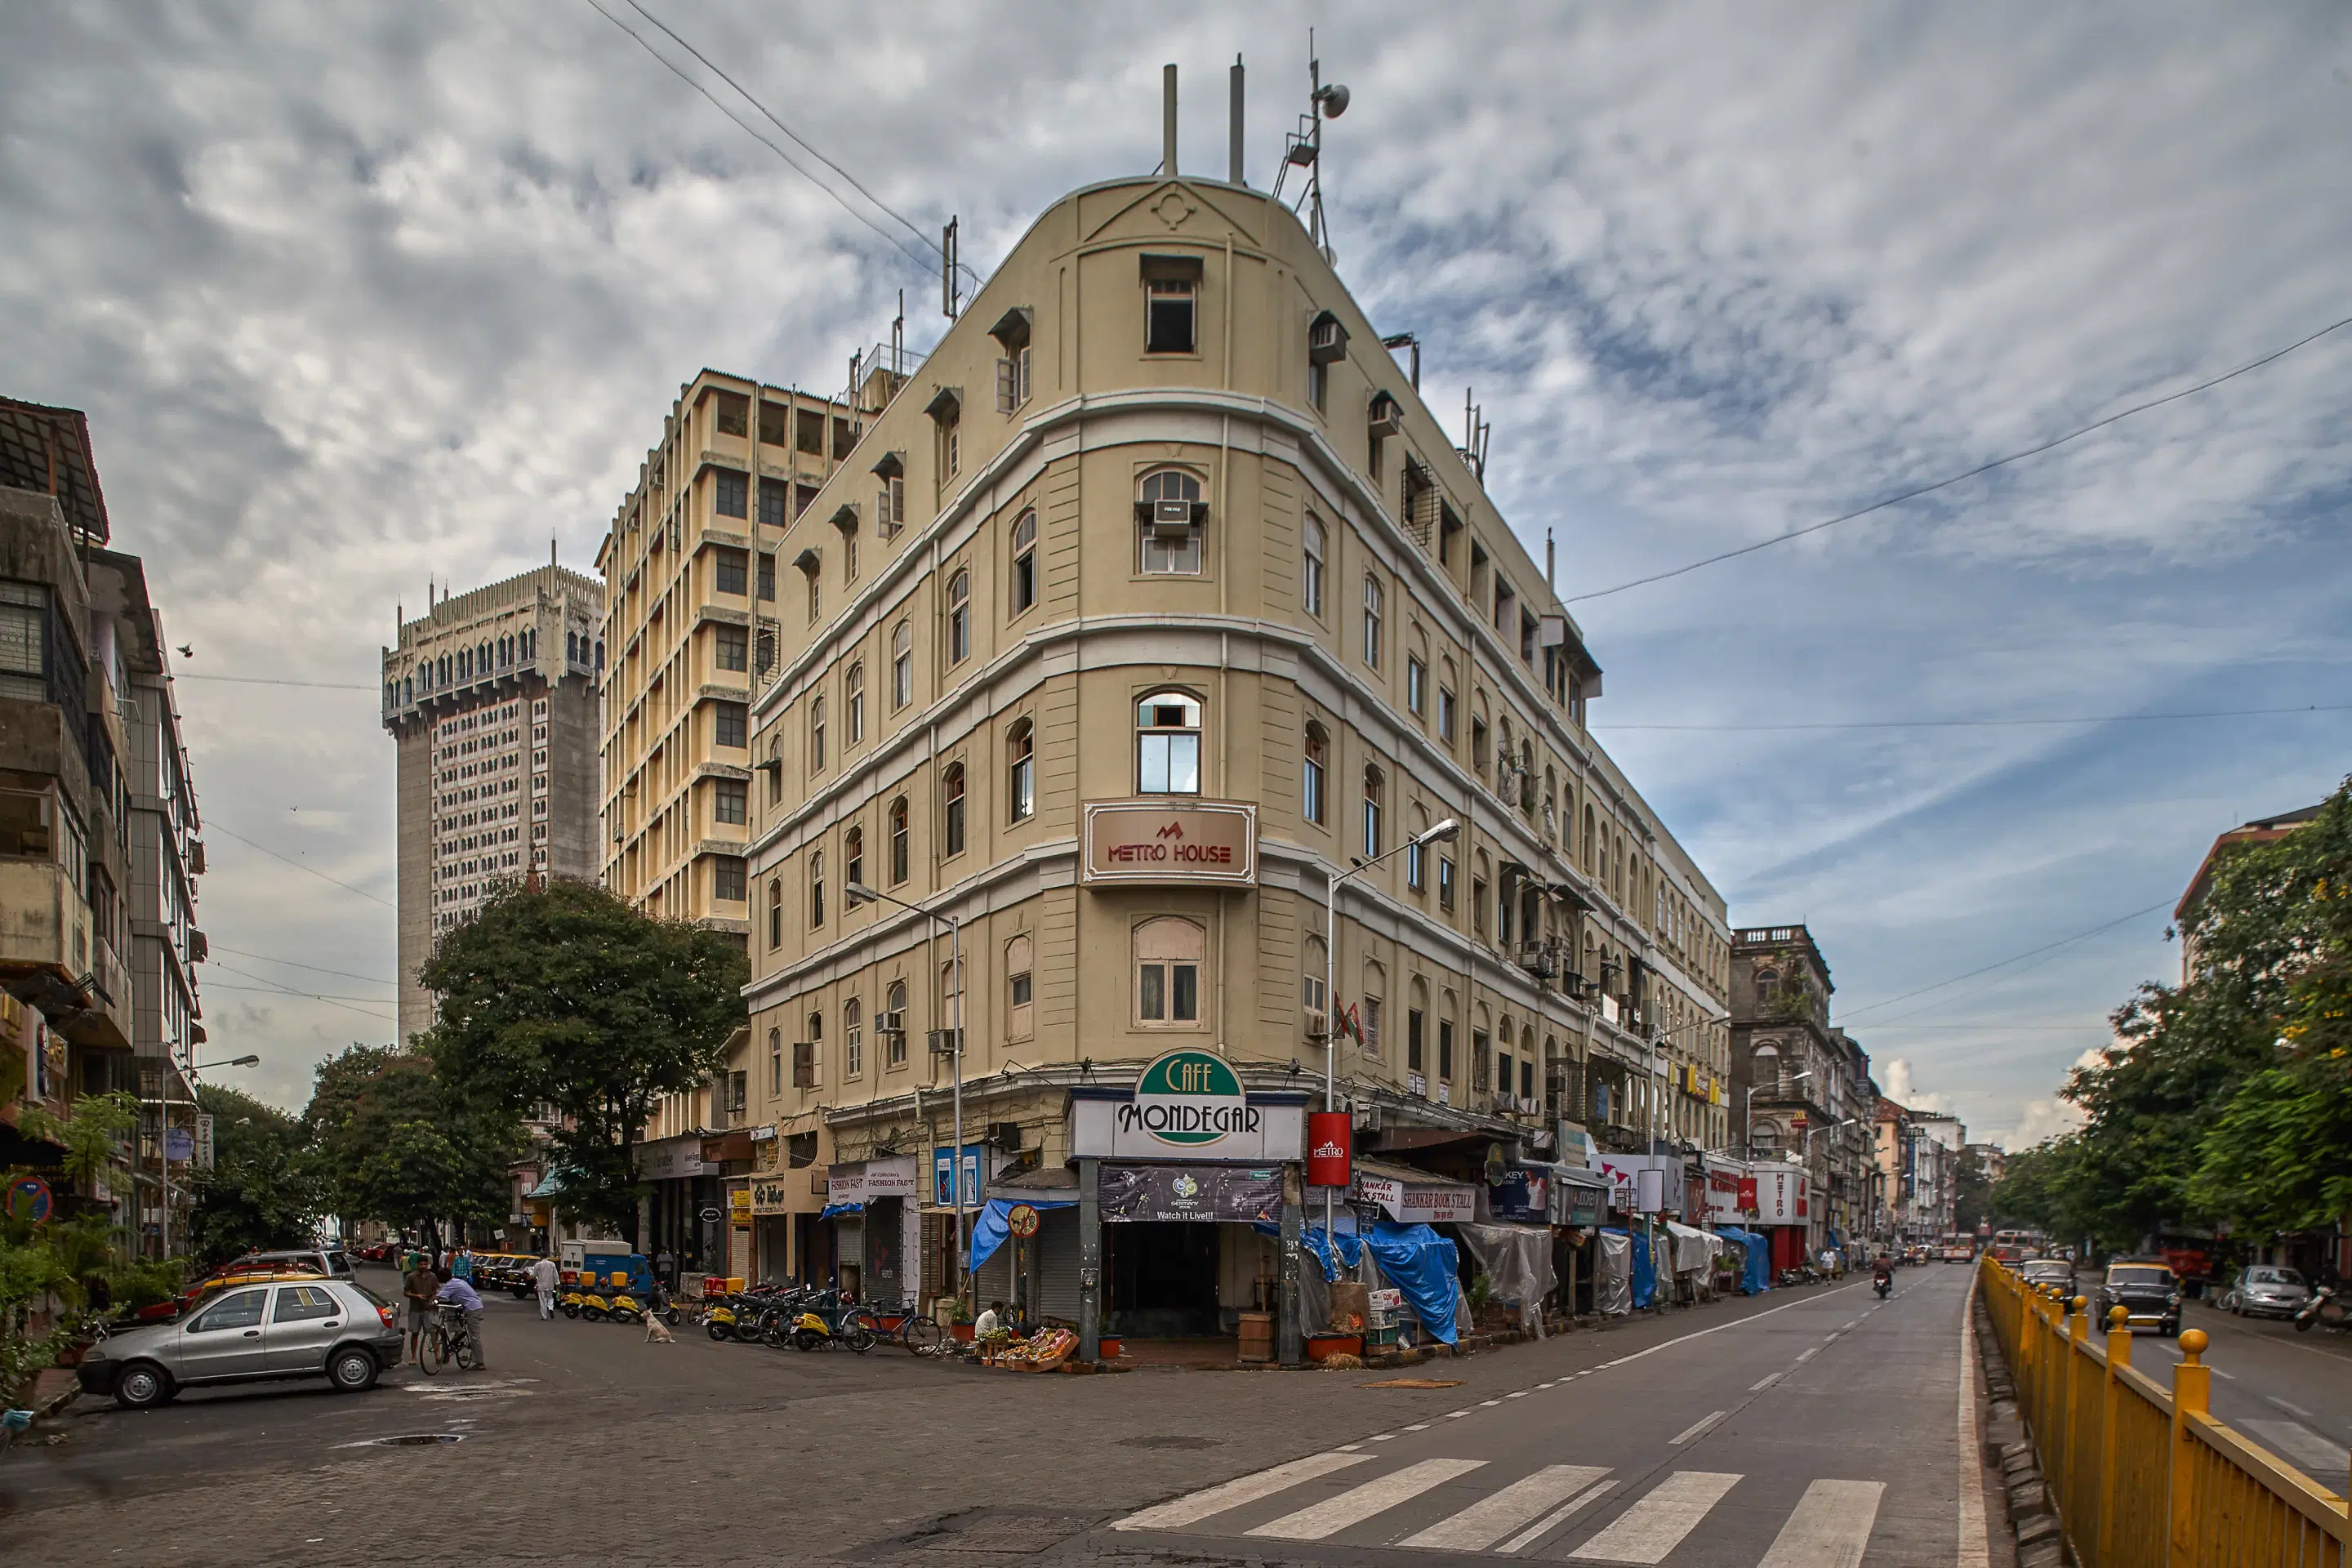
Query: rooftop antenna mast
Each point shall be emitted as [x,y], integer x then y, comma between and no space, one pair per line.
[1304,148]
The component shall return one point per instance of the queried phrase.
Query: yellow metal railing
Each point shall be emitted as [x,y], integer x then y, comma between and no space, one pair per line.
[2141,1476]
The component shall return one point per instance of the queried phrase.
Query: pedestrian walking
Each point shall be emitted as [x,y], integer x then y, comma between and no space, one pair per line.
[462,1266]
[544,1276]
[662,1262]
[419,1287]
[656,1305]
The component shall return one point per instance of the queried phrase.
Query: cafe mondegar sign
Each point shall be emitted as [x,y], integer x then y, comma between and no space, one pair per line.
[1187,1104]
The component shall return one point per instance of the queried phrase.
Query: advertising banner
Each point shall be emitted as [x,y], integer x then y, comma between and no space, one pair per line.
[943,1192]
[1621,1169]
[1330,1140]
[1726,1182]
[1188,1104]
[204,1140]
[1522,1195]
[1781,1194]
[1133,1193]
[1420,1203]
[866,1180]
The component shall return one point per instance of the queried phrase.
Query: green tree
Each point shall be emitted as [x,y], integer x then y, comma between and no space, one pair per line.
[389,1140]
[262,1192]
[1971,1193]
[565,997]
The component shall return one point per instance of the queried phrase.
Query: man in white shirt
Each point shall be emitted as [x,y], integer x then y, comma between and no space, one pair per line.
[545,1275]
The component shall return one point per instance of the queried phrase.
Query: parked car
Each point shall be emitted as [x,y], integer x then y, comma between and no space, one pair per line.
[2266,1290]
[2145,1289]
[306,1326]
[2041,1271]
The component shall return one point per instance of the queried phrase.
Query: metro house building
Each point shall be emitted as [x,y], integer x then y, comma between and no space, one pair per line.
[1154,601]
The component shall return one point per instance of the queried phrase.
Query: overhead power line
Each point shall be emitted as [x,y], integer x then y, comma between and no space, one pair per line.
[931,246]
[272,681]
[298,865]
[1917,490]
[297,963]
[1846,1018]
[274,988]
[2001,723]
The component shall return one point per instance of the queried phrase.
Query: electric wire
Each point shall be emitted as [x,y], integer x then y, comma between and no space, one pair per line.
[1997,723]
[1848,1017]
[276,989]
[298,865]
[272,681]
[1919,491]
[757,135]
[298,963]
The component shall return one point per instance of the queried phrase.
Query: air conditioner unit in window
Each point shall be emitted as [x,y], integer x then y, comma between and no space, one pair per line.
[1387,415]
[944,1041]
[1005,1135]
[889,1023]
[1326,339]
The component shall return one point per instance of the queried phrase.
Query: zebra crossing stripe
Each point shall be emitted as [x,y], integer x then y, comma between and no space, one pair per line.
[1659,1519]
[1556,1517]
[1829,1527]
[1356,1504]
[1491,1518]
[1197,1506]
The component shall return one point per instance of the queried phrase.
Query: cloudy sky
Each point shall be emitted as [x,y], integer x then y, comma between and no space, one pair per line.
[355,296]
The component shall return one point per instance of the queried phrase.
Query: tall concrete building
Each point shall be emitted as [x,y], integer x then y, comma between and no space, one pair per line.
[691,578]
[490,698]
[1153,602]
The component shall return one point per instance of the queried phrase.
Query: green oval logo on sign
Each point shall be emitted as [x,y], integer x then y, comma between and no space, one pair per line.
[1190,1098]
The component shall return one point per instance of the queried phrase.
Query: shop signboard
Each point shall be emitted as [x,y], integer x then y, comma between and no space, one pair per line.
[1133,1193]
[1725,1181]
[179,1144]
[1781,1194]
[1582,1204]
[1188,1104]
[1420,1203]
[943,1192]
[1621,1169]
[670,1159]
[864,1181]
[1151,841]
[738,1207]
[203,1139]
[1330,1140]
[770,1195]
[1522,1193]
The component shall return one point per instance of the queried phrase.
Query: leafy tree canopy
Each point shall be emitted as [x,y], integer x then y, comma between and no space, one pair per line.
[567,997]
[262,1193]
[389,1140]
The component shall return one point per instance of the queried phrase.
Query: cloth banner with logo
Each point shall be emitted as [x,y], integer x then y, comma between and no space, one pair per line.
[1137,1192]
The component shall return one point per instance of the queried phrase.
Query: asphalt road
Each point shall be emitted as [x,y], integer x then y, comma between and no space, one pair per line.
[1767,1425]
[2290,1392]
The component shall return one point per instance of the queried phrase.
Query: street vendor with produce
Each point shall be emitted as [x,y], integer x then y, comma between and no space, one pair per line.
[990,1332]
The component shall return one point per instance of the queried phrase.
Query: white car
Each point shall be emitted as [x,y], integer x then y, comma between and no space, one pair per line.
[2266,1290]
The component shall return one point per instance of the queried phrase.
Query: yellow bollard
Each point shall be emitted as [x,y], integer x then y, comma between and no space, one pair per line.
[2118,1355]
[2193,1387]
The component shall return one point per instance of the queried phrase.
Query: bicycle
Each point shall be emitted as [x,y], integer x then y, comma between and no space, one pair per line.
[448,1339]
[918,1333]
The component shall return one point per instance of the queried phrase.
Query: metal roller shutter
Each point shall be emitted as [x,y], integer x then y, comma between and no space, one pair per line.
[1057,1281]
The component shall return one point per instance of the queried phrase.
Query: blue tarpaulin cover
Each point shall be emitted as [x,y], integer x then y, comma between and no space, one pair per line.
[1424,1267]
[1645,1270]
[989,1231]
[835,1211]
[1756,1270]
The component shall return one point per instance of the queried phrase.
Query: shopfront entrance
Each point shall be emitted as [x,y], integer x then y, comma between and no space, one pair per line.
[1164,1279]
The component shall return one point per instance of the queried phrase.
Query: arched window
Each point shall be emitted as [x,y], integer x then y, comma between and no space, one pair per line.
[1416,1025]
[951,1013]
[1526,1069]
[816,1049]
[1767,987]
[775,1063]
[1021,770]
[853,860]
[1311,576]
[816,734]
[899,841]
[1371,620]
[902,666]
[1591,833]
[1168,744]
[853,703]
[1169,514]
[776,913]
[1024,562]
[1019,989]
[853,1038]
[816,887]
[959,617]
[1367,1009]
[951,812]
[1168,958]
[895,1001]
[1315,770]
[1372,813]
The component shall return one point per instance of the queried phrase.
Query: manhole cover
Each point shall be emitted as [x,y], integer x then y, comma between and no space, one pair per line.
[1169,1442]
[1414,1383]
[409,1440]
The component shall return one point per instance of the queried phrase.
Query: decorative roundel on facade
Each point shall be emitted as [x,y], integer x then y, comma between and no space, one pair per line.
[1191,1097]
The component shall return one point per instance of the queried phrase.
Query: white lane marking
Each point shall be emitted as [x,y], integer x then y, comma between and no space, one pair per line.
[2306,1448]
[1555,1519]
[2295,1410]
[1521,1393]
[1808,1355]
[1657,1522]
[1418,1426]
[1356,1504]
[1696,1428]
[1488,1404]
[1456,1414]
[1766,1381]
[1200,1505]
[1348,1447]
[1491,1518]
[1829,1527]
[1974,1550]
[1702,1334]
[1383,1437]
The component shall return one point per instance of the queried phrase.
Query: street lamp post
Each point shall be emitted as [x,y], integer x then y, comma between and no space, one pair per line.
[858,893]
[1442,833]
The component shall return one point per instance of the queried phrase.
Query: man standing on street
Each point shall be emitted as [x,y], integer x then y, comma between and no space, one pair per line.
[459,1293]
[419,1287]
[544,1274]
[662,1262]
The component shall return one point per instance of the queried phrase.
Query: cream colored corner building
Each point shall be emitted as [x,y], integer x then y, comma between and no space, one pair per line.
[1160,547]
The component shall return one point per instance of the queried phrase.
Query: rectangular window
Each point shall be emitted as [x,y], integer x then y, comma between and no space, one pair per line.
[727,879]
[1168,329]
[1168,765]
[1170,992]
[1412,1026]
[731,803]
[1446,715]
[730,572]
[1446,1048]
[734,647]
[728,725]
[1416,684]
[809,436]
[775,510]
[1445,883]
[730,493]
[1415,868]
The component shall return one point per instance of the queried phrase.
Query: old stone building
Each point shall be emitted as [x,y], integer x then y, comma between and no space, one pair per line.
[1154,602]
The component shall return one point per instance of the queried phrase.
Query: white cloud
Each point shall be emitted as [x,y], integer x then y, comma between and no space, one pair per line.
[1895,1082]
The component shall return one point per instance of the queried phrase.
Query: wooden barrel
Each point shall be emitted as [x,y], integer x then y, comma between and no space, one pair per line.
[1257,1336]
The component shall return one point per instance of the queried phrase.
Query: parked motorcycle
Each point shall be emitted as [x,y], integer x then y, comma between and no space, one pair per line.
[2323,1308]
[827,1318]
[572,1302]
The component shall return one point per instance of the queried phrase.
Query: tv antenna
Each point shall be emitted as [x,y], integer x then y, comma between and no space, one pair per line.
[1304,148]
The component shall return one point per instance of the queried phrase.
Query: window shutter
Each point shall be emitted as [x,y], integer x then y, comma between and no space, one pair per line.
[803,1064]
[1007,400]
[1021,376]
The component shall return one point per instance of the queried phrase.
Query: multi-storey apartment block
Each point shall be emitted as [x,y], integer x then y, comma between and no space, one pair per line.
[1153,602]
[490,698]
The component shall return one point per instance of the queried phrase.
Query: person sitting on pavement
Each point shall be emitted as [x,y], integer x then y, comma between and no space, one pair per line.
[459,1293]
[545,1275]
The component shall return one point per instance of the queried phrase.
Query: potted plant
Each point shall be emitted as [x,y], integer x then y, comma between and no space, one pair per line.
[960,1320]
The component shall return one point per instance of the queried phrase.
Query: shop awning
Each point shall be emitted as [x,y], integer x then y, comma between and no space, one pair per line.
[990,1231]
[551,1186]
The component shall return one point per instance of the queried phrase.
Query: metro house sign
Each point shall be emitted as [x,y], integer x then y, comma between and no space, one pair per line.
[1189,1098]
[1148,841]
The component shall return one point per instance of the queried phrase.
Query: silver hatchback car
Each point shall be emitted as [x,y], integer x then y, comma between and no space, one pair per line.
[332,1329]
[2267,1288]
